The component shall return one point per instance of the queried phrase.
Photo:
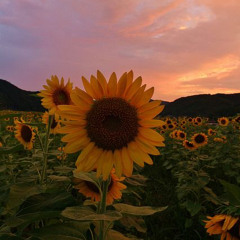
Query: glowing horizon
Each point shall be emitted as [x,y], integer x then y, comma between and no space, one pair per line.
[181,47]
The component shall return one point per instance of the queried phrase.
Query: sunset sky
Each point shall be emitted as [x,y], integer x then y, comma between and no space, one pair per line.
[181,47]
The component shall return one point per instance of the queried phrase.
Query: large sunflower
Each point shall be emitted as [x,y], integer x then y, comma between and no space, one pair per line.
[55,122]
[55,94]
[111,123]
[24,134]
[89,189]
[226,226]
[200,139]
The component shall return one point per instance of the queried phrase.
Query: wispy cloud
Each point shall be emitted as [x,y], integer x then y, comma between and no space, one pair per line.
[182,47]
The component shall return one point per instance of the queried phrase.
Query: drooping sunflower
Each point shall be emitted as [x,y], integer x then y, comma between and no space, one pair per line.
[226,226]
[223,121]
[189,145]
[111,123]
[200,139]
[24,134]
[55,122]
[211,132]
[55,94]
[89,189]
[237,119]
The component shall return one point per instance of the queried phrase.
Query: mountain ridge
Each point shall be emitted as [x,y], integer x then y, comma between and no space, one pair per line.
[205,105]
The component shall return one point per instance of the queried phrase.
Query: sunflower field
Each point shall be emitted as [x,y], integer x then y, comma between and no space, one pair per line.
[102,164]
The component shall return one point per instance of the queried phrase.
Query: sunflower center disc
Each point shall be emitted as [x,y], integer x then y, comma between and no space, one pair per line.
[26,133]
[199,139]
[61,97]
[112,123]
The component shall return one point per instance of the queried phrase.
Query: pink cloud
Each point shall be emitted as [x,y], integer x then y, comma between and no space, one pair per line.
[163,41]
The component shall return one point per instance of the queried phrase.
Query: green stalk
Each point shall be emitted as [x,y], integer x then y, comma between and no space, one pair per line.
[103,207]
[45,150]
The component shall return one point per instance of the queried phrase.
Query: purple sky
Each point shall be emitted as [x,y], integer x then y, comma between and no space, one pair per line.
[181,47]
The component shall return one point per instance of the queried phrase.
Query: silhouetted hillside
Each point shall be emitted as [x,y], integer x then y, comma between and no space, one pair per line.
[14,98]
[204,105]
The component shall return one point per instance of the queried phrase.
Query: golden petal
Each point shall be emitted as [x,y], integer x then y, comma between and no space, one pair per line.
[103,82]
[146,97]
[149,106]
[84,153]
[76,146]
[147,148]
[112,85]
[96,87]
[84,96]
[127,162]
[118,162]
[133,88]
[135,154]
[151,123]
[137,96]
[151,113]
[107,165]
[77,134]
[88,87]
[121,86]
[79,102]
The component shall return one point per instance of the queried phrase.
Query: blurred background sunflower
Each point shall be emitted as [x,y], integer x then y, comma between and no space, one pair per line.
[55,93]
[24,134]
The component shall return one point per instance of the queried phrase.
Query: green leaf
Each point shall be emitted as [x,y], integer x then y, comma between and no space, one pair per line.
[11,149]
[192,207]
[232,191]
[138,211]
[70,230]
[19,193]
[25,219]
[87,214]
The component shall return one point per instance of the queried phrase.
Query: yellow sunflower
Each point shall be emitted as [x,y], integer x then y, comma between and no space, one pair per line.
[200,139]
[189,145]
[226,226]
[190,120]
[55,123]
[223,121]
[55,94]
[170,126]
[111,123]
[1,144]
[198,120]
[89,189]
[24,134]
[181,135]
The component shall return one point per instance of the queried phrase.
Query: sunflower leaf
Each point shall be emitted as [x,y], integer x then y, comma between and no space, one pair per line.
[87,214]
[138,211]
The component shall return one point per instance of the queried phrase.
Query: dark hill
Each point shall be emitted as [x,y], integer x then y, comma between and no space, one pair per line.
[14,98]
[205,105]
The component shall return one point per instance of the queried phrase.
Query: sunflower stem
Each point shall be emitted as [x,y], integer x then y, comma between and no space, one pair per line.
[103,207]
[45,150]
